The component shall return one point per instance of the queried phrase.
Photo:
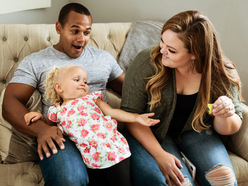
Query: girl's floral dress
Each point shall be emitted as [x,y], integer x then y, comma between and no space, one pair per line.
[94,134]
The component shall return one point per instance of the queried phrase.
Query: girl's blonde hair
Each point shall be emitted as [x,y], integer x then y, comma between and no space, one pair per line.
[53,77]
[200,38]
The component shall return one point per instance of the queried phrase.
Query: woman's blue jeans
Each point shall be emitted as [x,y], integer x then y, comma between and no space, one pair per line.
[66,168]
[205,150]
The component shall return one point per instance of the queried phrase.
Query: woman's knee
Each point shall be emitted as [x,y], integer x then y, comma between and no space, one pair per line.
[221,175]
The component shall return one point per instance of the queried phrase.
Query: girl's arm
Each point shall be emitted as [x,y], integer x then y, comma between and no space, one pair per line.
[124,116]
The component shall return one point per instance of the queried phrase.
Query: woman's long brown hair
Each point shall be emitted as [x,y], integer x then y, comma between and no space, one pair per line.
[200,38]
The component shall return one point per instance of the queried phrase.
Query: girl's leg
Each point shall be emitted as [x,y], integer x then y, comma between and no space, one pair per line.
[144,169]
[65,168]
[118,174]
[209,155]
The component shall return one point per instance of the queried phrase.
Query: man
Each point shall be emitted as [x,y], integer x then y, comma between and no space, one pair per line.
[61,163]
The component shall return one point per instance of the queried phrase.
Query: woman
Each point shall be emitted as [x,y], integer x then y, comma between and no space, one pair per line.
[177,80]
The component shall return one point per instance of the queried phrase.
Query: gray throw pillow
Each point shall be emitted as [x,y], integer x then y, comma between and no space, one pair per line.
[142,34]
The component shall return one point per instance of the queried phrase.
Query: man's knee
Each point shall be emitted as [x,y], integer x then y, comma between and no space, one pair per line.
[221,175]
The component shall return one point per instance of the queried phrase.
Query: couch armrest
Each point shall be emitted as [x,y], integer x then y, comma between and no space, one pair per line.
[238,142]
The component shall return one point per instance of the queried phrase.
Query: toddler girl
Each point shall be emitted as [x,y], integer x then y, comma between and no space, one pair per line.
[86,119]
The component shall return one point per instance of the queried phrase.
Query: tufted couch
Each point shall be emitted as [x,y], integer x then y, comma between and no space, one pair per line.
[18,41]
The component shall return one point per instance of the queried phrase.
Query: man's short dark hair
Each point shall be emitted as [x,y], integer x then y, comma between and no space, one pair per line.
[76,7]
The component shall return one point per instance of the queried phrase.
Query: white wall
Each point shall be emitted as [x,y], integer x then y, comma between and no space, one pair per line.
[44,15]
[230,18]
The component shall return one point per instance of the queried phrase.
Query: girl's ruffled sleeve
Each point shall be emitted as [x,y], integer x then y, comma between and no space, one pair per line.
[52,114]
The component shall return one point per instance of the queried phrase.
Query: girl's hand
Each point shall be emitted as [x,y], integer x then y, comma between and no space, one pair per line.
[144,119]
[223,107]
[32,117]
[170,167]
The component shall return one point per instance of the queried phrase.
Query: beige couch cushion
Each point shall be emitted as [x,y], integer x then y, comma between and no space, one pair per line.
[15,146]
[21,174]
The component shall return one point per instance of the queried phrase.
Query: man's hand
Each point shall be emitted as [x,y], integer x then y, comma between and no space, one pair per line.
[46,138]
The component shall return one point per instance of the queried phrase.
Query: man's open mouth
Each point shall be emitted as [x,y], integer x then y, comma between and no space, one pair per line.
[77,47]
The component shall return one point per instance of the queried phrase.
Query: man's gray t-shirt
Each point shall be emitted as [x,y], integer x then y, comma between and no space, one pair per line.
[100,66]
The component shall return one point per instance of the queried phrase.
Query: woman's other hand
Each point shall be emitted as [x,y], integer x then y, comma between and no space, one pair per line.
[170,167]
[223,107]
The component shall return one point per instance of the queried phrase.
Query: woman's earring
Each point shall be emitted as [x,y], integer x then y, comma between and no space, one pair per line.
[192,63]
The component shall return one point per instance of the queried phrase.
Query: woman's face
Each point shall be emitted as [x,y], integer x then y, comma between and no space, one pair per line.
[174,54]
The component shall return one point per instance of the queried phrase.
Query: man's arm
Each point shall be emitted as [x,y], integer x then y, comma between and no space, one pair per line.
[15,98]
[116,84]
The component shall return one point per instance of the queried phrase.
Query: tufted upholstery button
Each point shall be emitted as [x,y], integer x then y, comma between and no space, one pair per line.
[4,39]
[48,38]
[25,38]
[108,36]
[4,81]
[16,59]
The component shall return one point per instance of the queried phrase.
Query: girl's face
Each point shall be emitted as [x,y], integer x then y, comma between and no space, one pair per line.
[73,83]
[174,54]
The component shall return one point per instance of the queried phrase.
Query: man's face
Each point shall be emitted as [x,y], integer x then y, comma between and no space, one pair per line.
[74,35]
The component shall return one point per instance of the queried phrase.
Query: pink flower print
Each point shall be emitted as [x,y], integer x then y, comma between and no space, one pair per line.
[75,140]
[99,95]
[63,111]
[95,127]
[63,123]
[96,157]
[94,116]
[111,156]
[84,133]
[53,117]
[115,130]
[124,140]
[82,122]
[108,145]
[104,119]
[82,113]
[83,145]
[101,135]
[97,110]
[81,108]
[87,150]
[114,121]
[95,165]
[121,158]
[108,126]
[121,149]
[71,112]
[89,103]
[86,160]
[93,143]
[70,134]
[74,102]
[68,124]
[113,138]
